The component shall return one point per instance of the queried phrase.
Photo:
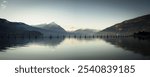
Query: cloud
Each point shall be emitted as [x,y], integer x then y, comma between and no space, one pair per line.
[3,4]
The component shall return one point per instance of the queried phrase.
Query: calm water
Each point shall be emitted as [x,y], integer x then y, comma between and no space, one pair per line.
[75,49]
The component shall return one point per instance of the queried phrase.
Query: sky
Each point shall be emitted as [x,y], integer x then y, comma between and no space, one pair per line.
[73,14]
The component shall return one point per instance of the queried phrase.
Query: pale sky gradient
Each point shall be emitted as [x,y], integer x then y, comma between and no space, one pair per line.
[73,14]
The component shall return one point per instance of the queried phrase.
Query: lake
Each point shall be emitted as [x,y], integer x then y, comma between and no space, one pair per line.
[123,48]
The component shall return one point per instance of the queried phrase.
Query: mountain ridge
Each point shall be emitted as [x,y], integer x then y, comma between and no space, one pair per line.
[7,27]
[129,27]
[16,29]
[52,27]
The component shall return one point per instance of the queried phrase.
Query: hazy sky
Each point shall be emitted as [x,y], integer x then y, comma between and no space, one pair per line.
[73,14]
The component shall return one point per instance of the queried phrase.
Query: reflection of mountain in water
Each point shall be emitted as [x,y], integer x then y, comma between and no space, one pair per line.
[12,43]
[85,39]
[49,41]
[136,45]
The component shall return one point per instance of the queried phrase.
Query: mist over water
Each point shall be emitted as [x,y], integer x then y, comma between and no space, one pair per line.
[128,48]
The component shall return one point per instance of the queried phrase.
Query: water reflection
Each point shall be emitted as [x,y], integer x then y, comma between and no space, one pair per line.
[20,42]
[126,48]
[135,45]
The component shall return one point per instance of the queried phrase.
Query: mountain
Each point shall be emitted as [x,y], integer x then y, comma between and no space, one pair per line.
[85,32]
[53,27]
[129,27]
[17,29]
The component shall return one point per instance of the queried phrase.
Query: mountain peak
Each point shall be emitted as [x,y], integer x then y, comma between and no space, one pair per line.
[53,23]
[52,27]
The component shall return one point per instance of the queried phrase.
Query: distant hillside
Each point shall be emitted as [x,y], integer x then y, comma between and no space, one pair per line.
[53,27]
[85,32]
[129,27]
[16,29]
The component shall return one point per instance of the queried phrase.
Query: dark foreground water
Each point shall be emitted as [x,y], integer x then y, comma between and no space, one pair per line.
[75,49]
